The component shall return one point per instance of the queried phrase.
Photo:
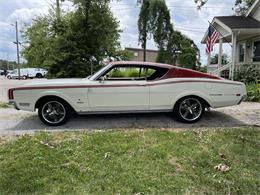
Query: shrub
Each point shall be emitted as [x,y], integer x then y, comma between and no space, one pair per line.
[116,74]
[248,73]
[132,73]
[253,92]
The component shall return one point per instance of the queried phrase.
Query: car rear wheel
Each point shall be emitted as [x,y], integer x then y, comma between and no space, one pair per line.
[54,112]
[189,109]
[24,77]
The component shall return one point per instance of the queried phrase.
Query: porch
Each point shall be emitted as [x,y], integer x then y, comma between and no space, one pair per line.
[243,35]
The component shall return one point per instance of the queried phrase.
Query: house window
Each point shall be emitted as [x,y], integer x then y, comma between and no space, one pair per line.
[136,54]
[256,51]
[241,52]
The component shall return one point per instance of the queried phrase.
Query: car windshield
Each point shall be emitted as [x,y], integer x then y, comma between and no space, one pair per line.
[99,72]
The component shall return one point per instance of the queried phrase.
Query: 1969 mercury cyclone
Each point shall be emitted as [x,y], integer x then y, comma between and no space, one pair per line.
[129,87]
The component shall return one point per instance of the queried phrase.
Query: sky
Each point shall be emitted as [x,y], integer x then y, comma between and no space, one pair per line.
[184,15]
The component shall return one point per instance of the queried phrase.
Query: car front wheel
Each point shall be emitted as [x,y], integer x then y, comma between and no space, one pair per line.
[189,109]
[54,112]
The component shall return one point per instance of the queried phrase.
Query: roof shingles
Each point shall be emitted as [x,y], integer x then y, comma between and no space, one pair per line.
[239,22]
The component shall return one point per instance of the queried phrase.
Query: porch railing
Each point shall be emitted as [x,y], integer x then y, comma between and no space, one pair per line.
[225,67]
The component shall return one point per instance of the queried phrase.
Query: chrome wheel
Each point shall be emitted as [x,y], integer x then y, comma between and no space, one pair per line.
[190,109]
[53,112]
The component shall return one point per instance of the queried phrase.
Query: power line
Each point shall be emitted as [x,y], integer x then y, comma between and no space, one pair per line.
[180,6]
[190,30]
[5,40]
[189,27]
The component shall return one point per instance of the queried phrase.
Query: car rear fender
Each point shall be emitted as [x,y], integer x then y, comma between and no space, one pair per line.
[206,100]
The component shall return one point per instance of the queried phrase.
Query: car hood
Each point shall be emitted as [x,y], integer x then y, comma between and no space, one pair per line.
[57,82]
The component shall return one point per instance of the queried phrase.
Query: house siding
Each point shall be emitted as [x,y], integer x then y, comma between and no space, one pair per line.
[151,55]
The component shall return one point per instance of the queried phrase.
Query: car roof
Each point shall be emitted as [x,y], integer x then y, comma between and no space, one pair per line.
[142,64]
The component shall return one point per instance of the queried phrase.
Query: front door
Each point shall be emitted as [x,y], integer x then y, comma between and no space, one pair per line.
[123,89]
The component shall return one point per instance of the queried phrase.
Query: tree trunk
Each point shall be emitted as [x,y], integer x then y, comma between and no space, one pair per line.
[144,47]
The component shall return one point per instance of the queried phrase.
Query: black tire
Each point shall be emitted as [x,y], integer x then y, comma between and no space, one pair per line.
[24,77]
[48,116]
[189,109]
[39,75]
[9,77]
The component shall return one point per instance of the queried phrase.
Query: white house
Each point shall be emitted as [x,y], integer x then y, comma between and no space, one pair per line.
[243,32]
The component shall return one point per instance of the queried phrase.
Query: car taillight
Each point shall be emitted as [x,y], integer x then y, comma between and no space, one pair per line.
[10,94]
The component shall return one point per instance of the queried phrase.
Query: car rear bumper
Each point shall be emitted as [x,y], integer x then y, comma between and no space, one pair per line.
[13,103]
[243,98]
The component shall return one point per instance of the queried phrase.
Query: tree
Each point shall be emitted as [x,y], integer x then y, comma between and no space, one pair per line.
[5,64]
[70,45]
[40,41]
[200,3]
[154,20]
[224,61]
[92,36]
[190,54]
[241,6]
[144,25]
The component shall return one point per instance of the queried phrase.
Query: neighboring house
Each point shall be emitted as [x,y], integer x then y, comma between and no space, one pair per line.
[243,32]
[138,54]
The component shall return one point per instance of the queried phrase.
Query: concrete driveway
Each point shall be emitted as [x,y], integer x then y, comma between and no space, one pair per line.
[19,122]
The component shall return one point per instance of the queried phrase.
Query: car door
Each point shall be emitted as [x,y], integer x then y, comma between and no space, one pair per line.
[119,94]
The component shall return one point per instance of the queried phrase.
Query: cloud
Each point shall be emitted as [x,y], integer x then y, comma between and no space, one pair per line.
[26,15]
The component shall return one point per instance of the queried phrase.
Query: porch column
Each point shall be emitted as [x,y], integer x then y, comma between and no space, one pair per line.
[234,48]
[220,54]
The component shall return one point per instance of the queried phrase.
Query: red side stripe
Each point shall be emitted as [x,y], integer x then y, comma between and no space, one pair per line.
[11,91]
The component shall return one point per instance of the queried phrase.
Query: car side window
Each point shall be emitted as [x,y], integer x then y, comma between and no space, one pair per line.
[156,73]
[126,73]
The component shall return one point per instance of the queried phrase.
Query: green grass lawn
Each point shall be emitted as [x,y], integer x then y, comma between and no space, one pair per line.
[132,162]
[3,105]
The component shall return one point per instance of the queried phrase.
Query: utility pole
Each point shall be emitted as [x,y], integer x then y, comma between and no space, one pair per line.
[17,49]
[7,62]
[58,9]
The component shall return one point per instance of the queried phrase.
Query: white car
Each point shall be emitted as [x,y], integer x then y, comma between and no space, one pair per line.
[27,73]
[129,87]
[1,72]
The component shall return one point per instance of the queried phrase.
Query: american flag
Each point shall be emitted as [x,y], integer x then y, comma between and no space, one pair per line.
[213,36]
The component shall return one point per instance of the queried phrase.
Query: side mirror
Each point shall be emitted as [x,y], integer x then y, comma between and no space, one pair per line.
[102,79]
